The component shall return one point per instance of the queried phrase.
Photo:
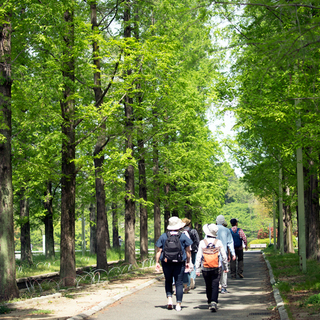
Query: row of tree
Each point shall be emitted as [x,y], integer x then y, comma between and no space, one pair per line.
[104,102]
[275,77]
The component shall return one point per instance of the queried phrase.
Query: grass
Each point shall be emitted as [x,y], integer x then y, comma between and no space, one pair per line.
[119,270]
[42,265]
[38,312]
[299,291]
[5,310]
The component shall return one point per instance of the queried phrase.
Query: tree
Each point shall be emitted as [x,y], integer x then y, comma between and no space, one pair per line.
[68,171]
[8,285]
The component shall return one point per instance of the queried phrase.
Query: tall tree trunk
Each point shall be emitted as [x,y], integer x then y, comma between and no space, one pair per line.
[143,207]
[102,221]
[312,212]
[68,180]
[115,225]
[166,205]
[48,223]
[156,193]
[8,284]
[101,218]
[175,212]
[188,210]
[278,238]
[93,229]
[287,218]
[130,219]
[26,254]
[198,227]
[141,166]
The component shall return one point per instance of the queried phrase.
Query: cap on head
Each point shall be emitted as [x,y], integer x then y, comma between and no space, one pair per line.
[175,223]
[233,221]
[220,219]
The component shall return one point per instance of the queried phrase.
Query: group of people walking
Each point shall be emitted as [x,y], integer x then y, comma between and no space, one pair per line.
[183,256]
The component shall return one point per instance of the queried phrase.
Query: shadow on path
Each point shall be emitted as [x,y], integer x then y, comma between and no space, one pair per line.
[249,298]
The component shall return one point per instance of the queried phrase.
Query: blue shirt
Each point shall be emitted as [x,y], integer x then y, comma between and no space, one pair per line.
[184,241]
[225,236]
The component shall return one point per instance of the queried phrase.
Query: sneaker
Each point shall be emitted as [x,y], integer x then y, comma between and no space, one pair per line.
[224,290]
[240,275]
[178,307]
[186,290]
[213,307]
[169,306]
[192,283]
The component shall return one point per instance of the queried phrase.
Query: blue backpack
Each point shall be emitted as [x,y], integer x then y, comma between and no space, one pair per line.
[236,238]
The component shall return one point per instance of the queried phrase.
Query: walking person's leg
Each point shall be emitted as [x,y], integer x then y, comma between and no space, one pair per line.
[233,266]
[186,282]
[168,275]
[223,280]
[208,282]
[178,272]
[193,272]
[240,263]
[215,278]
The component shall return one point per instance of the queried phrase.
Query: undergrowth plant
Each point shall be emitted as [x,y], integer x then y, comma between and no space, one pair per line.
[297,289]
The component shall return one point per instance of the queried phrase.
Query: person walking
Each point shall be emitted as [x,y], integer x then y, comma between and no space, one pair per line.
[194,236]
[224,235]
[174,253]
[239,240]
[210,267]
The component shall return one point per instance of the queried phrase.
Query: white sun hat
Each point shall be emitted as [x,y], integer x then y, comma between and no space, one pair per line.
[175,223]
[210,229]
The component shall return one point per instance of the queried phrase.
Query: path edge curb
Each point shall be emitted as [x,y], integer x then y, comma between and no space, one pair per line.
[276,293]
[113,299]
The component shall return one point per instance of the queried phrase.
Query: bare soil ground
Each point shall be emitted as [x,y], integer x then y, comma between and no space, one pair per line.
[69,303]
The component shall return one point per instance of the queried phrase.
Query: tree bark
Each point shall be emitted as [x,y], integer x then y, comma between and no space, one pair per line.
[287,230]
[143,207]
[188,210]
[93,229]
[8,284]
[130,219]
[115,226]
[166,206]
[48,223]
[68,180]
[312,212]
[26,255]
[102,220]
[198,227]
[156,193]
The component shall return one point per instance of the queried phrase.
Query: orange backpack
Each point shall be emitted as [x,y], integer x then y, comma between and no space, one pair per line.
[211,255]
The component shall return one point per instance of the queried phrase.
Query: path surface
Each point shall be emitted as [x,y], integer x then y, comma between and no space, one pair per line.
[249,298]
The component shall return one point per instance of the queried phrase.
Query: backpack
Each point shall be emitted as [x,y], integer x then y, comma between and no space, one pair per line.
[211,255]
[172,251]
[195,241]
[236,238]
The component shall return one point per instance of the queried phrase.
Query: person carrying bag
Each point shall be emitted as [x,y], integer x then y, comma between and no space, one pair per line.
[210,257]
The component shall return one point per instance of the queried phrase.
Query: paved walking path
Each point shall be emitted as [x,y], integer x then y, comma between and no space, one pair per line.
[249,298]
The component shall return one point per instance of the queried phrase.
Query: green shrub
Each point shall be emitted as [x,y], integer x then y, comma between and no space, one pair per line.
[267,241]
[260,241]
[315,299]
[5,310]
[284,286]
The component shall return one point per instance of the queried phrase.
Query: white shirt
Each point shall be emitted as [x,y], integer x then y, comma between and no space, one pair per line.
[222,255]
